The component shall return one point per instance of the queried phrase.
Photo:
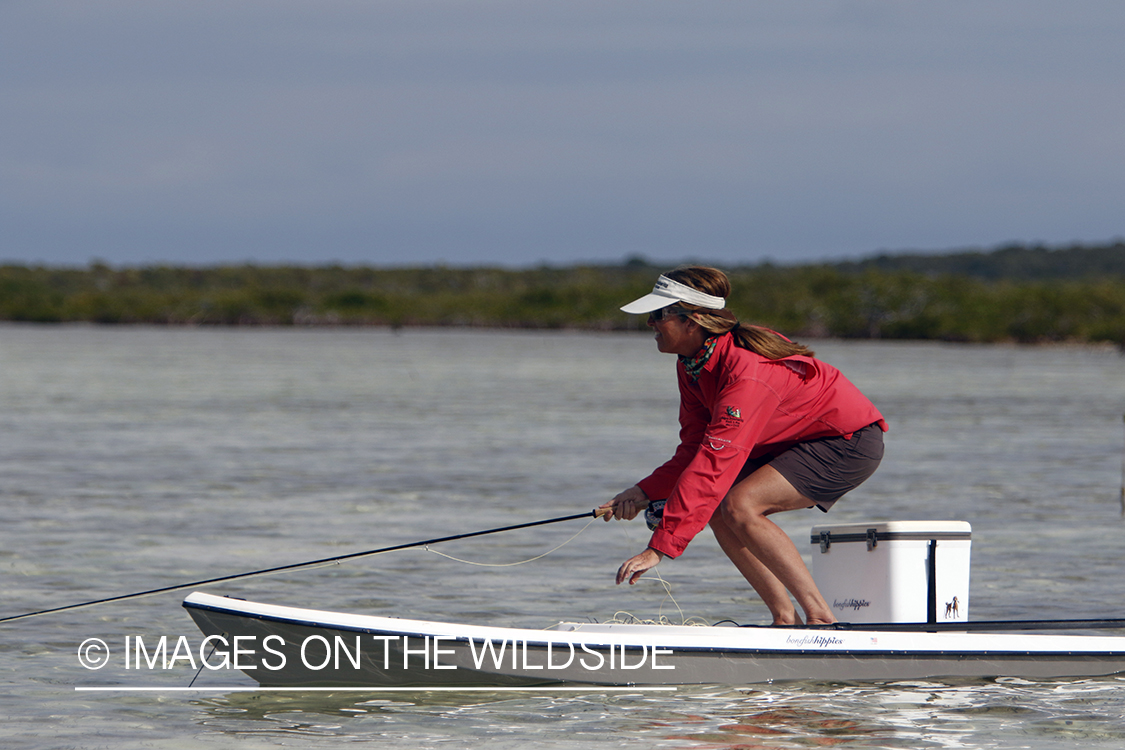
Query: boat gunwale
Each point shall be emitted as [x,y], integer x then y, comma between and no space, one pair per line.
[541,638]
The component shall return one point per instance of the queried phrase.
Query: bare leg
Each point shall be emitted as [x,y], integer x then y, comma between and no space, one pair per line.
[772,591]
[744,511]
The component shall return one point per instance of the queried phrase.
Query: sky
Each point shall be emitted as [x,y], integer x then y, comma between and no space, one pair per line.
[472,133]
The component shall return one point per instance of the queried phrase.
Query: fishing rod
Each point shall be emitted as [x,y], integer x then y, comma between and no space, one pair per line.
[596,513]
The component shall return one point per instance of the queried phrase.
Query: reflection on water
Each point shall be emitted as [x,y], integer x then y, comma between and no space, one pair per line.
[134,458]
[1002,713]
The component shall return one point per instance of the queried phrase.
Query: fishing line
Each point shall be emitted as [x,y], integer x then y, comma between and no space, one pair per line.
[205,659]
[659,579]
[296,566]
[512,564]
[668,595]
[622,617]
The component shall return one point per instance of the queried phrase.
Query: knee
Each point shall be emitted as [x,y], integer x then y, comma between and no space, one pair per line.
[718,522]
[738,510]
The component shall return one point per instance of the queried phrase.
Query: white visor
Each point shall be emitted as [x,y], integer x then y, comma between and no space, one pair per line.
[669,292]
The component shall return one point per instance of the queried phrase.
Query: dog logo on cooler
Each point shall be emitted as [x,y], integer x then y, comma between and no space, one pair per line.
[952,609]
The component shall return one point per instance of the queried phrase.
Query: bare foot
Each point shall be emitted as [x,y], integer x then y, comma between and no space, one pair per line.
[787,622]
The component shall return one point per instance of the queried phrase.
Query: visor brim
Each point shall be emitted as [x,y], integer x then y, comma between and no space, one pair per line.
[648,303]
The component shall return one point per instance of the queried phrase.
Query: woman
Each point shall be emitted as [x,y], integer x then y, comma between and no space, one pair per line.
[764,428]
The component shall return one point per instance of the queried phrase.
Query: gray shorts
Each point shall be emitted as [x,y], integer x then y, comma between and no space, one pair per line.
[824,469]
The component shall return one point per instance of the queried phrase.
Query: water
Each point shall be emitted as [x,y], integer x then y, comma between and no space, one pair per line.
[134,458]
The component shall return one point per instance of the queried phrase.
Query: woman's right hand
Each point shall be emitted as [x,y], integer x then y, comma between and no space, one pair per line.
[626,505]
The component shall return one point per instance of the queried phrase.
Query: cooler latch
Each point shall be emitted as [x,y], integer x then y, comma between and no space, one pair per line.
[825,541]
[872,539]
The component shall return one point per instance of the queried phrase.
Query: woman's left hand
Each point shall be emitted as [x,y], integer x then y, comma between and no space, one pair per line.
[635,566]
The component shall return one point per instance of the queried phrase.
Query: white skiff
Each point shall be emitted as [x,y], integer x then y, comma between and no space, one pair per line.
[287,646]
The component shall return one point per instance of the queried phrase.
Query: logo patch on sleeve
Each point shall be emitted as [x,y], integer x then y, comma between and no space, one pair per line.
[733,417]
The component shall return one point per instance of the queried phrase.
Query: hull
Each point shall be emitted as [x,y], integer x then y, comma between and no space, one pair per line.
[287,646]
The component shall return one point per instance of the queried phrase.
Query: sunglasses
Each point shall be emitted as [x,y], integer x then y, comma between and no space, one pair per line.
[658,315]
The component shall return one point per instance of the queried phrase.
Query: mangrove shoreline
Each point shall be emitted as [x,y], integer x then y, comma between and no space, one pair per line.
[1012,294]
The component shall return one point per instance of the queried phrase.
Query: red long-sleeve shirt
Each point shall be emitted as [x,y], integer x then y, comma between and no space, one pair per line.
[744,406]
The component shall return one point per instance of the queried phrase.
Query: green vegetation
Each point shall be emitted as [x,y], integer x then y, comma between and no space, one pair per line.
[1011,262]
[1012,294]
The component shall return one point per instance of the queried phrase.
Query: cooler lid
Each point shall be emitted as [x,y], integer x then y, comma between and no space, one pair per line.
[880,531]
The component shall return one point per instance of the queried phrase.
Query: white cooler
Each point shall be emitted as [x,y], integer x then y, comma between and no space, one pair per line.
[894,571]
